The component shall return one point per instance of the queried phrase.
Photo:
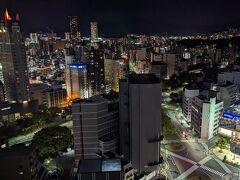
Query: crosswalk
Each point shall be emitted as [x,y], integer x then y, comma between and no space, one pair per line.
[204,160]
[212,170]
[197,165]
[187,172]
[223,166]
[181,157]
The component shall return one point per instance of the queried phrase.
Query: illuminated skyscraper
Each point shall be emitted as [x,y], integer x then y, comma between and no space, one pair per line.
[95,71]
[114,69]
[74,34]
[94,30]
[77,81]
[13,60]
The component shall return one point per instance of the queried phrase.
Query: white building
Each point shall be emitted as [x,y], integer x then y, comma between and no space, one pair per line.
[188,94]
[205,116]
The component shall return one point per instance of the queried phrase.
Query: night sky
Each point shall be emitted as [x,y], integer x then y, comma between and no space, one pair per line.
[179,17]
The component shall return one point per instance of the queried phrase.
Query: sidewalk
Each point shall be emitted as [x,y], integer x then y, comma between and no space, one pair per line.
[230,157]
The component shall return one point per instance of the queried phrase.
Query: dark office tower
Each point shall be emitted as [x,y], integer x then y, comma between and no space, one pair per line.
[95,70]
[140,121]
[13,60]
[74,34]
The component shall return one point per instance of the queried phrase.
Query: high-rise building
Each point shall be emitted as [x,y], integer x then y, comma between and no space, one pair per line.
[94,30]
[54,98]
[21,162]
[232,76]
[171,60]
[159,68]
[205,116]
[188,94]
[140,121]
[95,71]
[73,23]
[13,60]
[228,93]
[76,80]
[114,70]
[95,128]
[67,36]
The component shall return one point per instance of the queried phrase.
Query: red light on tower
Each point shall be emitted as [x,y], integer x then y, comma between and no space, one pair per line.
[17,17]
[7,17]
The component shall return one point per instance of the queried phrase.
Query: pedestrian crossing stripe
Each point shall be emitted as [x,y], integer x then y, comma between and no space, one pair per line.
[212,170]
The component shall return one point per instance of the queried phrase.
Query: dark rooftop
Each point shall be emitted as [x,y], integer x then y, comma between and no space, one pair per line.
[16,150]
[158,63]
[99,165]
[143,79]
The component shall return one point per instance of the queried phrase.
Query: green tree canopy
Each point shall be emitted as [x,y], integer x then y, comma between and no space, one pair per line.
[52,140]
[222,143]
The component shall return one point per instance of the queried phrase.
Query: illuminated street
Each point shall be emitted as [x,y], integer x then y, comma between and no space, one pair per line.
[195,159]
[28,137]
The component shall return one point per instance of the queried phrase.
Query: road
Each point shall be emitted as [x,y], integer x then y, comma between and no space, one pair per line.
[28,137]
[194,159]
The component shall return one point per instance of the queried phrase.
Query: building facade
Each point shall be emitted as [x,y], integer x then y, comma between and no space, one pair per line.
[228,94]
[54,98]
[13,60]
[140,122]
[76,81]
[188,94]
[205,116]
[73,24]
[95,72]
[114,70]
[95,128]
[94,30]
[20,162]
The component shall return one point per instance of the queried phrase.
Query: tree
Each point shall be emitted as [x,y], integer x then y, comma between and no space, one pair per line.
[222,143]
[52,140]
[168,127]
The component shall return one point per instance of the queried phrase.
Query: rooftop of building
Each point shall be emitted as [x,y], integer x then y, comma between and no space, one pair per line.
[16,150]
[227,84]
[192,87]
[158,63]
[143,79]
[93,99]
[207,99]
[99,165]
[54,90]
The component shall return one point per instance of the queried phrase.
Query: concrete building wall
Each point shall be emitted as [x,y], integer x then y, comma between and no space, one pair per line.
[93,126]
[140,123]
[144,106]
[188,94]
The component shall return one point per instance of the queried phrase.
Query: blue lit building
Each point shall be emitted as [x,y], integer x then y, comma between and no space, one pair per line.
[232,113]
[76,80]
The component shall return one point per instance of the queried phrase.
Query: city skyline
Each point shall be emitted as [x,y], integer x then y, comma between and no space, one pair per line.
[78,102]
[120,18]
